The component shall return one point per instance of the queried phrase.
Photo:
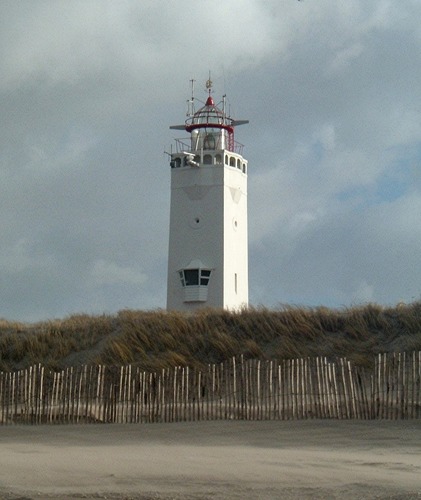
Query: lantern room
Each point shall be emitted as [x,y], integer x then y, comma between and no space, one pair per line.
[210,129]
[211,140]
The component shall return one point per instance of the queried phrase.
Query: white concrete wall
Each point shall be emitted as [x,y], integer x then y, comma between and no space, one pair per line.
[235,239]
[208,222]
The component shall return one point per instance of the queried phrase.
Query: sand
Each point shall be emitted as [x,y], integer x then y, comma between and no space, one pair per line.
[213,460]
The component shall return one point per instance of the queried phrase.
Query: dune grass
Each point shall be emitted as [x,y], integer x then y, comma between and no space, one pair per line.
[158,339]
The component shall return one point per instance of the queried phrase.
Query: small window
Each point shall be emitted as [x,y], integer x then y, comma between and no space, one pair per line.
[232,161]
[218,159]
[175,163]
[194,277]
[244,168]
[204,276]
[226,160]
[239,163]
[191,277]
[207,160]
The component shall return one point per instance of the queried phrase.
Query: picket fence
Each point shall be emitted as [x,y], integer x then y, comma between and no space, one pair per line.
[236,389]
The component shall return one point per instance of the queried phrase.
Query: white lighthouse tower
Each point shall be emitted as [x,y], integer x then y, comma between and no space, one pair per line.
[208,255]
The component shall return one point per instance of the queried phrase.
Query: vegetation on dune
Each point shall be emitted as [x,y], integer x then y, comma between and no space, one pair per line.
[158,339]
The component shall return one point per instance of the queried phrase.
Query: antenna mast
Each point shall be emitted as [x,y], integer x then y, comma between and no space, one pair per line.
[190,102]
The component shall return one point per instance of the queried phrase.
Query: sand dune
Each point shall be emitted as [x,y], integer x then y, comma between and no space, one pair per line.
[213,460]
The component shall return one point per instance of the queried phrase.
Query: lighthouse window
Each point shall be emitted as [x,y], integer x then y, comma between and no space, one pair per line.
[218,159]
[232,161]
[244,168]
[191,277]
[175,163]
[207,159]
[226,159]
[238,163]
[209,142]
[204,276]
[194,277]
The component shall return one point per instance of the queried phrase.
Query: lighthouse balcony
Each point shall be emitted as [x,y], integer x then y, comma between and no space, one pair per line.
[220,157]
[209,143]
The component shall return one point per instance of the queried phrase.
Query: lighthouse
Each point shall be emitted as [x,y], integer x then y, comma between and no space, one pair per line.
[208,254]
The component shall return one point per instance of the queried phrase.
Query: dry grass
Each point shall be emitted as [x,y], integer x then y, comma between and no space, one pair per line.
[154,340]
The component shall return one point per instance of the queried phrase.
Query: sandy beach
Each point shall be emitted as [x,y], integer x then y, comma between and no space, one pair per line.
[213,460]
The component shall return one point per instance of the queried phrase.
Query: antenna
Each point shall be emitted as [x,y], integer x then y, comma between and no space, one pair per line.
[225,83]
[192,88]
[190,102]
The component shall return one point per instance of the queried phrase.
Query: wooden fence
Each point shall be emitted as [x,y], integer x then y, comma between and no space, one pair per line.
[236,389]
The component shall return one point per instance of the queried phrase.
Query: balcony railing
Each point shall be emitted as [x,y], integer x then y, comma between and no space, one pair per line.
[184,145]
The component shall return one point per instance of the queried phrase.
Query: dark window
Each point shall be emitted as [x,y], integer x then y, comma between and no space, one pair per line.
[191,276]
[204,276]
[194,277]
[175,163]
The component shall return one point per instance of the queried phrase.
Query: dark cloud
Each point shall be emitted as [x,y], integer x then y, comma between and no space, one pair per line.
[89,90]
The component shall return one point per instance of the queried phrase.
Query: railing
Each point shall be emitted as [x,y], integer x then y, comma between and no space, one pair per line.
[237,389]
[184,145]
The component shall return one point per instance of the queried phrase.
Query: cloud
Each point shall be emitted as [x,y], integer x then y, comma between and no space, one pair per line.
[110,273]
[89,90]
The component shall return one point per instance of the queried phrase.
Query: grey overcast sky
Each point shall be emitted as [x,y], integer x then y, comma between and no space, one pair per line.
[89,88]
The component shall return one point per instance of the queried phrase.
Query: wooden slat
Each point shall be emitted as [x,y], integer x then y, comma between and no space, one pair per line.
[235,389]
